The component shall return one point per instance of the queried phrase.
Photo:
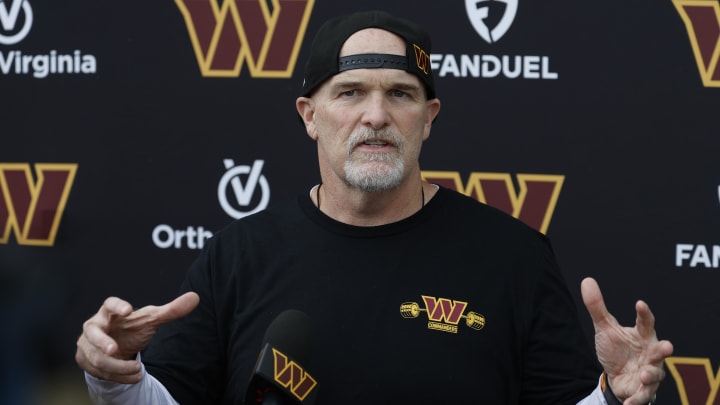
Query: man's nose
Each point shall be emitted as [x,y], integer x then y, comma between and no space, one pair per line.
[376,114]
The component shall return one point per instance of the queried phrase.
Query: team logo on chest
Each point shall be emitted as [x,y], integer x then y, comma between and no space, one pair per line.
[443,314]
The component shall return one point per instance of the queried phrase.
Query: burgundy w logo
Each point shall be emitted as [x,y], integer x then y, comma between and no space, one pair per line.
[290,375]
[443,314]
[696,382]
[267,37]
[534,204]
[702,21]
[33,209]
[422,59]
[444,310]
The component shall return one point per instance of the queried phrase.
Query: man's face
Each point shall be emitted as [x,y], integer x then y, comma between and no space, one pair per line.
[370,123]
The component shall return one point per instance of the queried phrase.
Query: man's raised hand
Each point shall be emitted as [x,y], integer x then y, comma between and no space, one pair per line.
[112,338]
[631,357]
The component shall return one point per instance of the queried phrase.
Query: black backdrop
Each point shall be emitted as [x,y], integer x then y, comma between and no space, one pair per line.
[614,106]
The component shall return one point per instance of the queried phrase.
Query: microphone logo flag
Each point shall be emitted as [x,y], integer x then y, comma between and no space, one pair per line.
[291,376]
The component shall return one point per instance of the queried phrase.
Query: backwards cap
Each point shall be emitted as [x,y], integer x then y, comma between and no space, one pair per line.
[325,62]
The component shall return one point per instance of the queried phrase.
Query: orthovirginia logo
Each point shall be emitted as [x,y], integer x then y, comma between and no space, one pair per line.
[534,204]
[242,190]
[702,21]
[231,183]
[32,209]
[267,38]
[443,314]
[14,26]
[16,20]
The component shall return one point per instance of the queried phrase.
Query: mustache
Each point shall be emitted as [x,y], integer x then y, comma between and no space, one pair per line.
[366,134]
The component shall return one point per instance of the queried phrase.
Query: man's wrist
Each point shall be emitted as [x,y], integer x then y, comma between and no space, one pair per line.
[607,391]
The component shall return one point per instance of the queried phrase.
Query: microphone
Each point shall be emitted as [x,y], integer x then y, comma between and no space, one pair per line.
[279,377]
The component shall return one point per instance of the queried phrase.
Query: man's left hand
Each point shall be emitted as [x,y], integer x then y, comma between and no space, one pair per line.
[631,357]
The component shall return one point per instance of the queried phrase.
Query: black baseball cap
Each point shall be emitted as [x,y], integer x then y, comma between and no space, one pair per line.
[324,61]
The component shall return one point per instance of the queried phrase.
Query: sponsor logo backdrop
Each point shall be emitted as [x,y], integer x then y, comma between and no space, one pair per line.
[131,134]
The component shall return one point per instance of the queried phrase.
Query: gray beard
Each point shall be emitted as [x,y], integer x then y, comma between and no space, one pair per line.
[374,172]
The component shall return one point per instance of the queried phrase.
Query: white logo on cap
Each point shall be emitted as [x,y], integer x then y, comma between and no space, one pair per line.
[478,12]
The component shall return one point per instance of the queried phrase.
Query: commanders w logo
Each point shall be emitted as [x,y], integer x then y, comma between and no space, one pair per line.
[443,314]
[291,376]
[33,210]
[696,382]
[534,204]
[422,59]
[267,37]
[702,21]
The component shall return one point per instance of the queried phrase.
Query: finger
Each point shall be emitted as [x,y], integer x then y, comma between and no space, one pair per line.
[645,320]
[650,379]
[121,379]
[112,308]
[659,351]
[666,348]
[652,375]
[645,393]
[96,328]
[96,336]
[178,308]
[101,365]
[593,300]
[112,374]
[154,315]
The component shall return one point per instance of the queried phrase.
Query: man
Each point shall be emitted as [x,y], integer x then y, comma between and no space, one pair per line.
[386,266]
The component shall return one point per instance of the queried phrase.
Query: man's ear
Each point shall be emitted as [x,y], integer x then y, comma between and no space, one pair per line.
[306,109]
[306,113]
[433,109]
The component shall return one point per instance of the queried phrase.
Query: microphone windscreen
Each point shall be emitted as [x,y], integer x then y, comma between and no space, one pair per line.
[291,333]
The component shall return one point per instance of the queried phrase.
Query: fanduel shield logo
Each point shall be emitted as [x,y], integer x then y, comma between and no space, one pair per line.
[479,11]
[14,29]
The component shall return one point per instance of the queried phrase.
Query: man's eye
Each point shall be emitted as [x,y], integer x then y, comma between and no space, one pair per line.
[398,93]
[349,93]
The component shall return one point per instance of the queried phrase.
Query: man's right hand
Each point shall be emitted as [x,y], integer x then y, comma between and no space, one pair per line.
[112,338]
